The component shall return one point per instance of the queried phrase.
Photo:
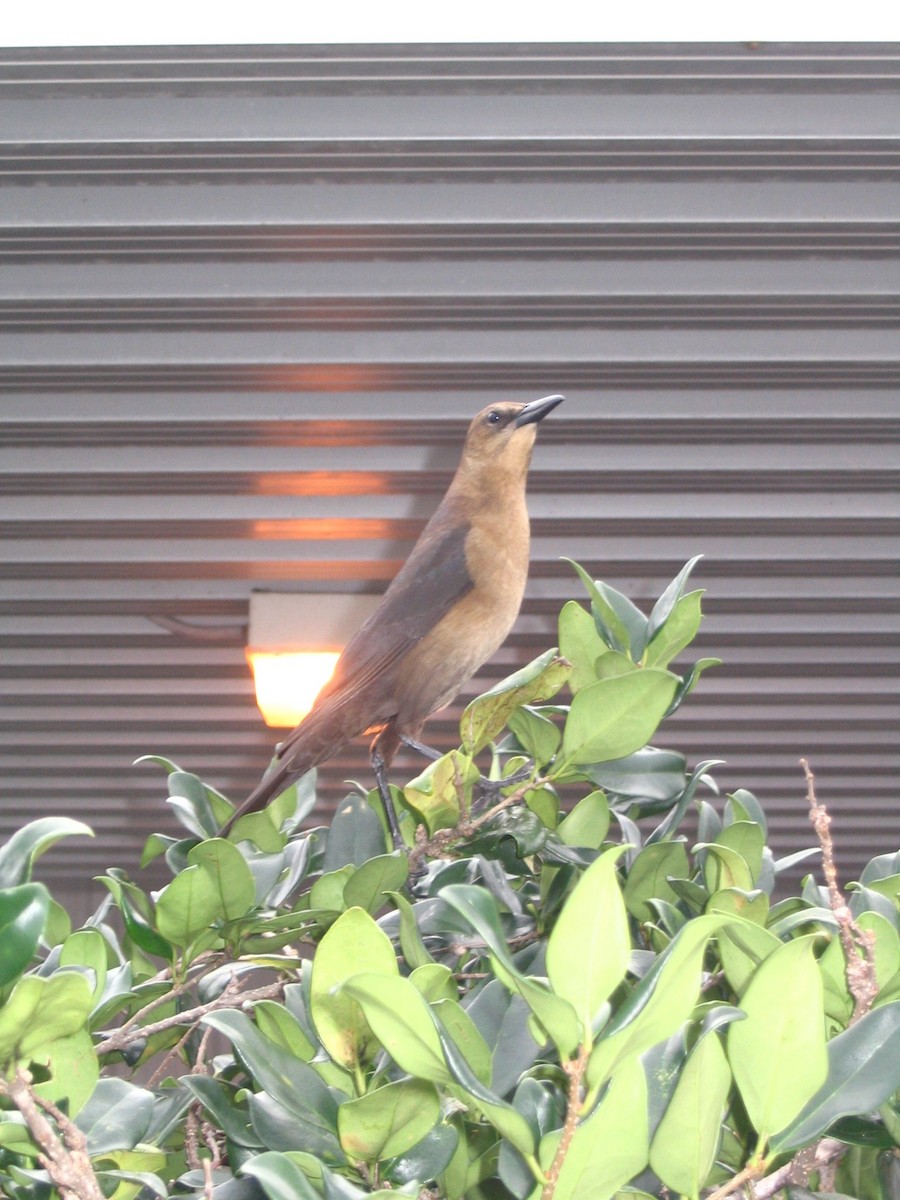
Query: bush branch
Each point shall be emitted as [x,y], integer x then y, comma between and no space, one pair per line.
[64,1154]
[858,945]
[121,1038]
[575,1069]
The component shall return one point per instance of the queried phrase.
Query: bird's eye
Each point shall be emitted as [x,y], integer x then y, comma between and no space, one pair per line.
[493,417]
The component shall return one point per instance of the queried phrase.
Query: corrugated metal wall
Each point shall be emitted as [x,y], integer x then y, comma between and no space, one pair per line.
[250,297]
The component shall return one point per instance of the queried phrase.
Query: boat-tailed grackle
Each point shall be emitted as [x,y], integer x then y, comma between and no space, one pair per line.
[451,605]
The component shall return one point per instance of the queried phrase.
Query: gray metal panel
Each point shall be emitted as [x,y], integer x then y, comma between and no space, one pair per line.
[249,298]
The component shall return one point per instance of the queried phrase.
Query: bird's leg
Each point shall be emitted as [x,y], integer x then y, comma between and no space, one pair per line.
[428,752]
[378,756]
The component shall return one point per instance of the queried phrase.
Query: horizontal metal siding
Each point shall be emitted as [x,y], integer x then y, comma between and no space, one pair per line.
[250,297]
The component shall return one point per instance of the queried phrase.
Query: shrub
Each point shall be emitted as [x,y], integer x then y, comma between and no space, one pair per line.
[527,1003]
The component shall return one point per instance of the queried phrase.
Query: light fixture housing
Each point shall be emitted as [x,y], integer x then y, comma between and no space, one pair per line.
[293,642]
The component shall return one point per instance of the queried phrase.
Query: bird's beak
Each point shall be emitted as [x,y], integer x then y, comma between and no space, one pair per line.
[537,410]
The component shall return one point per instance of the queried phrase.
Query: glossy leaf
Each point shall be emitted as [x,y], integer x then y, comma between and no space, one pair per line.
[289,1081]
[677,632]
[537,734]
[279,1177]
[369,885]
[556,1015]
[116,1117]
[743,945]
[27,844]
[863,1072]
[608,1148]
[615,717]
[23,913]
[436,795]
[647,878]
[666,603]
[660,1003]
[188,906]
[355,835]
[402,1023]
[588,822]
[388,1121]
[229,874]
[486,715]
[778,1053]
[580,644]
[87,948]
[685,1142]
[354,944]
[589,946]
[40,1010]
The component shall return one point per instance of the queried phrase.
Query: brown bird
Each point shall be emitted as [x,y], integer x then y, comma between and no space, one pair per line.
[448,609]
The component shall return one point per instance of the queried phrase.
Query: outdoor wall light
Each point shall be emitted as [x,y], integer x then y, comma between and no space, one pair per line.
[293,642]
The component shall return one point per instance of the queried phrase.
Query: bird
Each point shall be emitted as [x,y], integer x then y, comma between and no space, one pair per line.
[447,610]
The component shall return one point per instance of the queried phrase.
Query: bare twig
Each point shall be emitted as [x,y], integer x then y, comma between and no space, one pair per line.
[798,1171]
[575,1069]
[64,1154]
[858,944]
[123,1037]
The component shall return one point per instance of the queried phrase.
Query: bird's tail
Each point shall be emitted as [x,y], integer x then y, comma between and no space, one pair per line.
[279,776]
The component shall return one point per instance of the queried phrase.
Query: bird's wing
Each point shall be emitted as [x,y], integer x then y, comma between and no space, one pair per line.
[430,582]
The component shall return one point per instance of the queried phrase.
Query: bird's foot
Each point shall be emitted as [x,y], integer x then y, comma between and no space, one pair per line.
[489,791]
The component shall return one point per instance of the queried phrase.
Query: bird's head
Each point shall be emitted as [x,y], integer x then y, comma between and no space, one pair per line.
[501,437]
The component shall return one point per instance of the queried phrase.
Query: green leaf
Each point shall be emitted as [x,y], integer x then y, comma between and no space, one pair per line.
[434,981]
[229,874]
[863,1072]
[279,1025]
[647,878]
[369,885]
[71,1069]
[748,839]
[354,944]
[588,822]
[660,1003]
[25,846]
[589,947]
[465,1034]
[743,945]
[411,943]
[608,1148]
[402,1023]
[778,1053]
[621,625]
[87,948]
[288,1080]
[665,605]
[580,644]
[355,835]
[724,868]
[279,1177]
[686,1140]
[39,1011]
[23,912]
[188,906]
[537,734]
[219,1099]
[615,717]
[509,1123]
[487,715]
[436,794]
[677,632]
[555,1014]
[116,1117]
[388,1121]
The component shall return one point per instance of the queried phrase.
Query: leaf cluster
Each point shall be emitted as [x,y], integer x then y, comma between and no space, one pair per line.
[606,998]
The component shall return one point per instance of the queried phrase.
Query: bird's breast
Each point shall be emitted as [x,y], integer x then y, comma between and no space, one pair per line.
[477,624]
